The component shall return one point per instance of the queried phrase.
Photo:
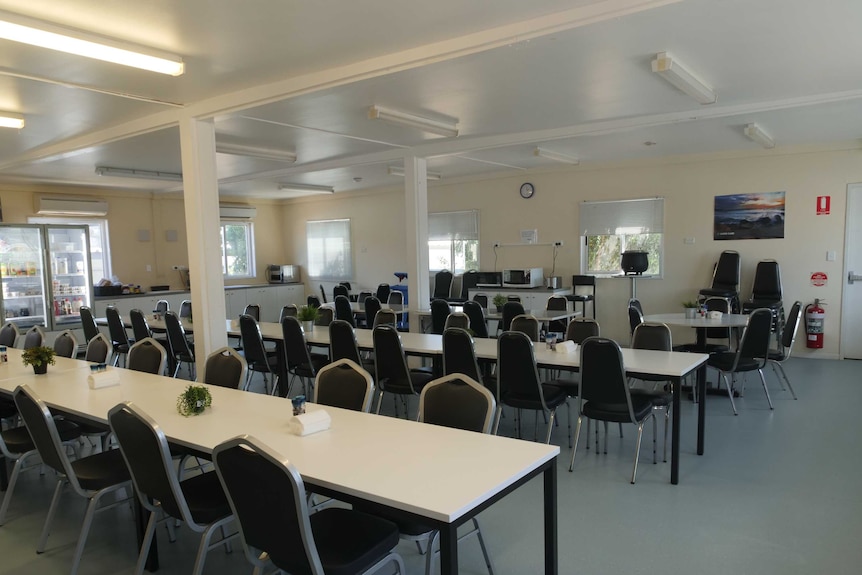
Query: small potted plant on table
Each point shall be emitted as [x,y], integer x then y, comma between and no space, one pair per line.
[690,309]
[194,400]
[499,301]
[39,357]
[307,315]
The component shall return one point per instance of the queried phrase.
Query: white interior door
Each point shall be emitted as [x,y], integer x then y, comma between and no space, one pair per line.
[851,336]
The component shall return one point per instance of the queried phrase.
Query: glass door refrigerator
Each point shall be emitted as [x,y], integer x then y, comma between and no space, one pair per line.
[45,275]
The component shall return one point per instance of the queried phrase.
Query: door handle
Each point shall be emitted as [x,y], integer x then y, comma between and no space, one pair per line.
[853,278]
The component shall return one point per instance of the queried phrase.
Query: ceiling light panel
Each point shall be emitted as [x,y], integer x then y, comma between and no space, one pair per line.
[555,156]
[11,120]
[399,171]
[138,174]
[673,72]
[448,129]
[297,190]
[256,152]
[754,133]
[53,37]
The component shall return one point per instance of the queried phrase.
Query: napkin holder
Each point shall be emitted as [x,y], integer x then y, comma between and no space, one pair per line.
[100,379]
[715,314]
[566,346]
[310,422]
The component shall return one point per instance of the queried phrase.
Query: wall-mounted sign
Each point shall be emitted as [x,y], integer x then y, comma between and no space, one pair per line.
[529,236]
[819,279]
[749,216]
[823,203]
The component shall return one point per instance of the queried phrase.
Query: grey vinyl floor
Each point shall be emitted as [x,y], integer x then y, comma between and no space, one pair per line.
[777,492]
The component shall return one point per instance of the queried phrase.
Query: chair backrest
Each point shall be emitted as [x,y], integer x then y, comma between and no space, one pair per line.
[344,384]
[718,304]
[148,457]
[457,319]
[442,284]
[65,344]
[581,328]
[346,285]
[34,337]
[457,401]
[474,311]
[88,323]
[788,336]
[253,310]
[654,336]
[140,329]
[756,336]
[185,309]
[295,348]
[459,355]
[383,291]
[147,355]
[162,306]
[517,373]
[313,300]
[510,310]
[342,342]
[603,376]
[588,282]
[99,349]
[116,328]
[481,299]
[252,341]
[469,280]
[340,289]
[440,310]
[179,345]
[363,295]
[9,334]
[343,310]
[372,306]
[396,297]
[288,310]
[225,368]
[267,496]
[767,282]
[389,358]
[385,317]
[636,314]
[526,324]
[324,316]
[557,302]
[727,271]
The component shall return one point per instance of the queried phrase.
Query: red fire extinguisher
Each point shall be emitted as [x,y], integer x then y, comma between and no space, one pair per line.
[814,318]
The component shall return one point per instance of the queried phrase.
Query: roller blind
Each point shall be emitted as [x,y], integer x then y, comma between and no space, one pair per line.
[454,225]
[634,216]
[329,255]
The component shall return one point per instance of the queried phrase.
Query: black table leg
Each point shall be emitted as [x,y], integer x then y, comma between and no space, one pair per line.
[551,548]
[701,407]
[448,550]
[674,441]
[4,476]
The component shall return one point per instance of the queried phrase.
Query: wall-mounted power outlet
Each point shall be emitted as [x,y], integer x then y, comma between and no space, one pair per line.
[178,268]
[558,244]
[496,244]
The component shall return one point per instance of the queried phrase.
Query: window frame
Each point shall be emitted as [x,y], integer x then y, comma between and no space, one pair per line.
[250,256]
[345,250]
[612,218]
[469,231]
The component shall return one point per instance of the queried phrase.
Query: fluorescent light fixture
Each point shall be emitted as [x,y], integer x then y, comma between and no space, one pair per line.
[53,37]
[754,133]
[139,174]
[305,189]
[255,152]
[11,120]
[556,156]
[672,71]
[399,171]
[449,129]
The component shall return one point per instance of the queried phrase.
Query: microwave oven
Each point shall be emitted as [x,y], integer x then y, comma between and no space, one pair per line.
[489,279]
[524,278]
[276,274]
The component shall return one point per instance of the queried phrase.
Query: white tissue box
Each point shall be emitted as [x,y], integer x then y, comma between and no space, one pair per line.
[567,346]
[715,314]
[102,379]
[309,423]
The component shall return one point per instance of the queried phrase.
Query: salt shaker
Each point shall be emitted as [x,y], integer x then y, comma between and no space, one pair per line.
[4,357]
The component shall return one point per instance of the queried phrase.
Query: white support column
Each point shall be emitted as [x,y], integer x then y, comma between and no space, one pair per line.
[200,191]
[416,207]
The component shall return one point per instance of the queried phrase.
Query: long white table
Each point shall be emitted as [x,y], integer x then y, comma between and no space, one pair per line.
[443,476]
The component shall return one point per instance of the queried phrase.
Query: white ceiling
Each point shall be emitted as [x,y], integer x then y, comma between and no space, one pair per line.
[569,76]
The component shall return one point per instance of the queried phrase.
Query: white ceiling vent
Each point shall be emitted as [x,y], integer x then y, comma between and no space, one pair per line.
[71,207]
[237,212]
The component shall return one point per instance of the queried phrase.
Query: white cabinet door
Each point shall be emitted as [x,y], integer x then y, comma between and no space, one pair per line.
[235,302]
[294,294]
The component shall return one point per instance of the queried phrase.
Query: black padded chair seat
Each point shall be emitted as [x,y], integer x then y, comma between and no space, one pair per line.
[18,438]
[101,470]
[658,397]
[304,370]
[7,409]
[724,362]
[708,348]
[713,292]
[406,525]
[554,397]
[271,359]
[350,542]
[641,405]
[205,497]
[776,355]
[572,387]
[772,304]
[419,379]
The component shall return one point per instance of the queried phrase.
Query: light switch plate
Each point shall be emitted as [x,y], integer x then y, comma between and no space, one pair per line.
[830,256]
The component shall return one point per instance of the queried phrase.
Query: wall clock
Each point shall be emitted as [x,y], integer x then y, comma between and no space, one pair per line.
[527,190]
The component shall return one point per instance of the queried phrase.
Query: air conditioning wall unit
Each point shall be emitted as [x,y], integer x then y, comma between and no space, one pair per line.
[71,207]
[237,212]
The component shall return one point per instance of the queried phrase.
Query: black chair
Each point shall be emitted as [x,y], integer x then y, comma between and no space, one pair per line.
[147,355]
[557,303]
[442,285]
[162,306]
[199,502]
[526,324]
[725,280]
[256,355]
[393,375]
[88,323]
[253,310]
[372,306]
[268,498]
[474,311]
[605,395]
[185,309]
[383,291]
[119,338]
[363,295]
[481,299]
[342,342]
[440,310]
[788,338]
[98,349]
[343,310]
[313,301]
[577,331]
[656,337]
[510,310]
[9,334]
[750,354]
[459,356]
[225,367]
[65,344]
[457,319]
[636,314]
[92,477]
[324,316]
[396,298]
[344,384]
[181,351]
[300,362]
[33,337]
[340,289]
[288,310]
[385,317]
[140,328]
[583,291]
[767,292]
[722,333]
[520,386]
[323,294]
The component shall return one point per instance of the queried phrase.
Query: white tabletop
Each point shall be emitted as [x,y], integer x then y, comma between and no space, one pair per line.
[543,315]
[679,319]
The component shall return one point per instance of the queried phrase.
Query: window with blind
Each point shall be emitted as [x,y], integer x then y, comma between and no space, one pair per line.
[329,254]
[610,228]
[453,241]
[237,249]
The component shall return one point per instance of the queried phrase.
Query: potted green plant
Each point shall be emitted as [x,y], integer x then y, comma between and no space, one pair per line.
[307,315]
[39,357]
[499,301]
[194,400]
[690,309]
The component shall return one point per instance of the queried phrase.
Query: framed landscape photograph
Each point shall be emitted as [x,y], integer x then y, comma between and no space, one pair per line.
[749,216]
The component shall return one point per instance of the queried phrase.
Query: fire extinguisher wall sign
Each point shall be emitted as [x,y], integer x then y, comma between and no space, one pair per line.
[814,318]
